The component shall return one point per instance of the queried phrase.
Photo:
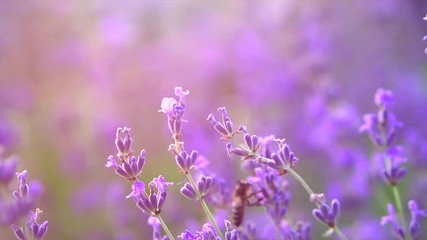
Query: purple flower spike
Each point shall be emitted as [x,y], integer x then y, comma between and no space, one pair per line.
[32,229]
[188,191]
[381,126]
[226,127]
[252,142]
[123,144]
[414,225]
[204,185]
[24,189]
[284,158]
[129,167]
[152,203]
[7,169]
[328,215]
[174,110]
[186,162]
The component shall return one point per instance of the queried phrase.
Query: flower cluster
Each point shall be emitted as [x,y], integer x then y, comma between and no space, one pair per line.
[150,203]
[267,162]
[381,128]
[12,210]
[130,167]
[32,229]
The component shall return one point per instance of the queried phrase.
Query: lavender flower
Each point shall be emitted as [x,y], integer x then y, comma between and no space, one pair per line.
[151,203]
[392,219]
[381,127]
[204,185]
[188,191]
[186,161]
[284,158]
[226,127]
[32,229]
[414,225]
[130,167]
[24,200]
[328,214]
[175,110]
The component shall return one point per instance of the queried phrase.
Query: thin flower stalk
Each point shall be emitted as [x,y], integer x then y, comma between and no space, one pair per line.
[174,110]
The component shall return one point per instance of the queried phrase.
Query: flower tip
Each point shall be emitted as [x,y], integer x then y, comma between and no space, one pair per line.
[179,92]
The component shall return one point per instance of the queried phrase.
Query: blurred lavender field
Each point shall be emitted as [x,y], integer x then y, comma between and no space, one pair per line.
[72,72]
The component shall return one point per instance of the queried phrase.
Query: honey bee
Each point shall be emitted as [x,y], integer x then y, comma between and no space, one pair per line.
[242,194]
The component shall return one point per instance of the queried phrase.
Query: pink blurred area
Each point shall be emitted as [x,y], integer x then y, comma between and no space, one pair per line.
[71,72]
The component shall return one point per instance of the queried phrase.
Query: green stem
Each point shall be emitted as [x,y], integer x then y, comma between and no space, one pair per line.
[204,205]
[399,205]
[300,180]
[165,227]
[339,233]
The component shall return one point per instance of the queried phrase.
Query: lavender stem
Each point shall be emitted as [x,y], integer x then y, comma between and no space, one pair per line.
[165,227]
[204,205]
[398,200]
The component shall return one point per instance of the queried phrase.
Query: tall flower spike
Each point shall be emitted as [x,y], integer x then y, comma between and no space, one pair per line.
[381,126]
[24,190]
[129,166]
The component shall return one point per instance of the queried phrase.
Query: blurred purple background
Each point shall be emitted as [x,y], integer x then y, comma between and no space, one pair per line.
[71,72]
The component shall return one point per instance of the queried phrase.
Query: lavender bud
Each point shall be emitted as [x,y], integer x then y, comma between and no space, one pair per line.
[226,120]
[237,151]
[19,233]
[203,185]
[318,214]
[42,230]
[217,125]
[188,191]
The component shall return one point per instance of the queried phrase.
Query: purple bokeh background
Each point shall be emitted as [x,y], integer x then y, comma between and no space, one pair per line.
[72,72]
